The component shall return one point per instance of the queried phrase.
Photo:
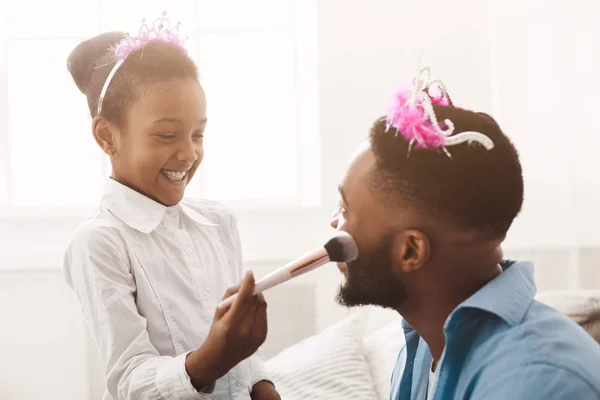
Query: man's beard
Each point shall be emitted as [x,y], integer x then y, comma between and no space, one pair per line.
[371,281]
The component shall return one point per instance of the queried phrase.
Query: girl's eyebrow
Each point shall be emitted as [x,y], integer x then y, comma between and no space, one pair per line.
[200,121]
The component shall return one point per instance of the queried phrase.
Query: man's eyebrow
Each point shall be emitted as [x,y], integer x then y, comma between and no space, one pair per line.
[341,190]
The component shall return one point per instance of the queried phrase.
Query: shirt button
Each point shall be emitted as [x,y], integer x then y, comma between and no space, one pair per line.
[205,293]
[171,212]
[188,249]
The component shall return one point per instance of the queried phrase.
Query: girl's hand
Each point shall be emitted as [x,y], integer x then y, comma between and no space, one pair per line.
[240,329]
[236,333]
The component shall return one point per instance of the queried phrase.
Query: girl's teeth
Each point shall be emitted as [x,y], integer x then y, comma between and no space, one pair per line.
[174,175]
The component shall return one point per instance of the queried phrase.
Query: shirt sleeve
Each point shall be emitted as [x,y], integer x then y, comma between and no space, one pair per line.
[537,382]
[97,267]
[257,370]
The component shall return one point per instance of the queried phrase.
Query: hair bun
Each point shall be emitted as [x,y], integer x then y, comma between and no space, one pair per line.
[84,57]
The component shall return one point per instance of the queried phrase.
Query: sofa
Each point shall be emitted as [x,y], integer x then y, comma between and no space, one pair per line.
[354,358]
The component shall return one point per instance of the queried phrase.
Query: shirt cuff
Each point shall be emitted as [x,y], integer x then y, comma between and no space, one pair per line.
[258,371]
[260,378]
[173,381]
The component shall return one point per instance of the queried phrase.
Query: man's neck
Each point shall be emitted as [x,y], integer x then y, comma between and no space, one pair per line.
[429,312]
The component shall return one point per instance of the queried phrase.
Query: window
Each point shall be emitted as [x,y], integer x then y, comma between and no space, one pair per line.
[257,64]
[53,159]
[244,143]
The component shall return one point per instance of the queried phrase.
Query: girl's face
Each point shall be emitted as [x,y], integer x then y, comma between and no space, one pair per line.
[162,145]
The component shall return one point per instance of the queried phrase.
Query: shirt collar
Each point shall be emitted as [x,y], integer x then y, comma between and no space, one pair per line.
[508,296]
[140,212]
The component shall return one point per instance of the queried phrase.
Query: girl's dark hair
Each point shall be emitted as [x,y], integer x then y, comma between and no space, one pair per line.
[91,61]
[475,189]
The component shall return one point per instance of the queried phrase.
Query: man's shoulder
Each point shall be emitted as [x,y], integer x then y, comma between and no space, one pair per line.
[550,335]
[535,381]
[544,341]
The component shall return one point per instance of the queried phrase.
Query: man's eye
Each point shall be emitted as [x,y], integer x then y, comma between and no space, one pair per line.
[166,136]
[339,209]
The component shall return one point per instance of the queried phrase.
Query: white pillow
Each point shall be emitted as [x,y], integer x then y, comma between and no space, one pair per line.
[382,347]
[375,317]
[328,366]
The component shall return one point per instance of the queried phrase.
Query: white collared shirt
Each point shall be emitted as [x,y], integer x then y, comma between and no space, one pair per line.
[149,278]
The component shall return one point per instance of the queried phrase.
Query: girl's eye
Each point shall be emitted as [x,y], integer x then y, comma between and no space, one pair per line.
[166,136]
[198,135]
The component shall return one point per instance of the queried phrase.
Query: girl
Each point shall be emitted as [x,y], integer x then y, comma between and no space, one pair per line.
[150,267]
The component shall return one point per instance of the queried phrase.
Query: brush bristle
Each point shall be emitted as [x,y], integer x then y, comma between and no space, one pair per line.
[342,248]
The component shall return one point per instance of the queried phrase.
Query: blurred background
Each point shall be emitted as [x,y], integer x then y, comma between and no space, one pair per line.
[292,87]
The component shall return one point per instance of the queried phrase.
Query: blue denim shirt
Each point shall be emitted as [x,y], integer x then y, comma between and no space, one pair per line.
[501,344]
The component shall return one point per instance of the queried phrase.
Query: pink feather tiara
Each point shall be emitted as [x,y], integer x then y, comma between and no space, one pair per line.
[160,30]
[413,117]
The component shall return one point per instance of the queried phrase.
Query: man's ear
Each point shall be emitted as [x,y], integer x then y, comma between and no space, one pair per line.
[411,250]
[105,135]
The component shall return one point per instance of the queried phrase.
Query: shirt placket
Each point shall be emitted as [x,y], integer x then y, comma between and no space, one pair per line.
[194,265]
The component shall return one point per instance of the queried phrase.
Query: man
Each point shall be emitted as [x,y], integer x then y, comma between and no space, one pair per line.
[429,220]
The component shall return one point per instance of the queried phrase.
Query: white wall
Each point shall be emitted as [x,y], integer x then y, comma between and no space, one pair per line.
[365,49]
[42,340]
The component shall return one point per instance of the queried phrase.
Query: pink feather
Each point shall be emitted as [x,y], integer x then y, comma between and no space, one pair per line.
[160,31]
[412,123]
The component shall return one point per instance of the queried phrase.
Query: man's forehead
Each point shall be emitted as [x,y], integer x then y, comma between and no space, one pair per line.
[366,213]
[361,164]
[361,149]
